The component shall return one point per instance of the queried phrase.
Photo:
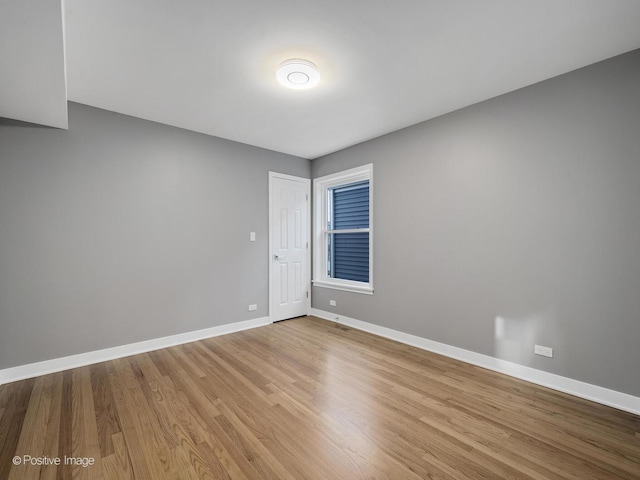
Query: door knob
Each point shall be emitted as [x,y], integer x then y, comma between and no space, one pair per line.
[278,257]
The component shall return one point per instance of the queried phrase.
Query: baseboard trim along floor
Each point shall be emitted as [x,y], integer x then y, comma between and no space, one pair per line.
[604,396]
[45,367]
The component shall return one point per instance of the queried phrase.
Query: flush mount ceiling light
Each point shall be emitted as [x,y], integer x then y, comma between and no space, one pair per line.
[298,74]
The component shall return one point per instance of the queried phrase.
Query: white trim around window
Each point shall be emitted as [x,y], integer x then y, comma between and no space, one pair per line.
[322,188]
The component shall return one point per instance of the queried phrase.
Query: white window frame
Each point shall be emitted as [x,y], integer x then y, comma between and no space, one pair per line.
[321,187]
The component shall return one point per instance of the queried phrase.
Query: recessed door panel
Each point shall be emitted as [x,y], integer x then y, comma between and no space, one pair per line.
[284,283]
[284,229]
[297,229]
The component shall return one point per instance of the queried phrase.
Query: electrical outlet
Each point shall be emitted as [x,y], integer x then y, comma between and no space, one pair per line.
[253,307]
[252,236]
[544,351]
[332,303]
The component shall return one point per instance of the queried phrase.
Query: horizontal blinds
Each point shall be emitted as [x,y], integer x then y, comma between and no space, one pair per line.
[349,252]
[351,206]
[351,256]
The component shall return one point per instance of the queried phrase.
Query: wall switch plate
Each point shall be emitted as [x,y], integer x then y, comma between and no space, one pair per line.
[544,351]
[332,303]
[253,307]
[252,236]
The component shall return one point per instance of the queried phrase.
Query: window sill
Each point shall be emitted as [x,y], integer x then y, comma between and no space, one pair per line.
[367,290]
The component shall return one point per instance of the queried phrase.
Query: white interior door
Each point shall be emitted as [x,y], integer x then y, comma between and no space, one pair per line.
[289,246]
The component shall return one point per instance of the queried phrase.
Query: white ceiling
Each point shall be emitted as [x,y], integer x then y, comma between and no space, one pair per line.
[209,65]
[32,77]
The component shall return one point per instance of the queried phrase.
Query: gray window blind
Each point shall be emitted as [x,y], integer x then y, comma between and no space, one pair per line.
[349,252]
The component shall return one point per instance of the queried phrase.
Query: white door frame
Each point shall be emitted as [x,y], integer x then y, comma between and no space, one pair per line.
[307,182]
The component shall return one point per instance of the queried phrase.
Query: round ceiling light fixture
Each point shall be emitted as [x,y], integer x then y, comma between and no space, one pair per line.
[298,74]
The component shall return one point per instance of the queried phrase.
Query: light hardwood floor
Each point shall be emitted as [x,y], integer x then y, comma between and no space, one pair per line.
[307,399]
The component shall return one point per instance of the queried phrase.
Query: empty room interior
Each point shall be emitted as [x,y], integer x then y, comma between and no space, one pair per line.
[319,240]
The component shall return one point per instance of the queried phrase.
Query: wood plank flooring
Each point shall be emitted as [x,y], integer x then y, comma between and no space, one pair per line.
[305,399]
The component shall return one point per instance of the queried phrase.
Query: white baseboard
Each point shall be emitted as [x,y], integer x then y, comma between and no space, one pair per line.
[80,360]
[605,396]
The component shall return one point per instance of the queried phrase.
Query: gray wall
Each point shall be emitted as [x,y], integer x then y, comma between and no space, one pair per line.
[525,207]
[121,230]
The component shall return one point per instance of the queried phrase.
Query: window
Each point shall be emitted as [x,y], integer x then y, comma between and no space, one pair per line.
[343,230]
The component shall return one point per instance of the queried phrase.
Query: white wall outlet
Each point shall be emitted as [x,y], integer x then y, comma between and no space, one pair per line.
[332,303]
[253,307]
[544,351]
[252,236]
